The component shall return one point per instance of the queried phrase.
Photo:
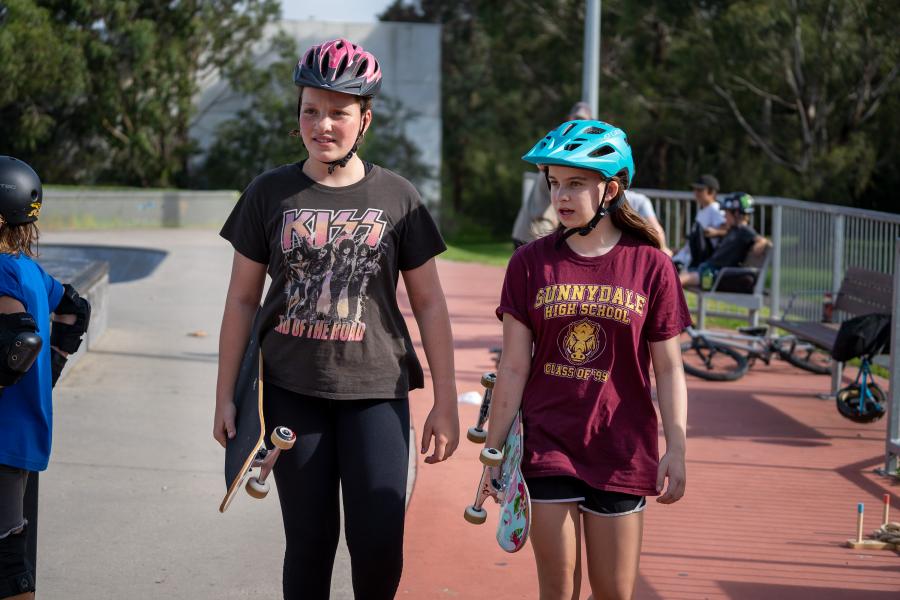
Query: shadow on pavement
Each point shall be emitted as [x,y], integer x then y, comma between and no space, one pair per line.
[125,263]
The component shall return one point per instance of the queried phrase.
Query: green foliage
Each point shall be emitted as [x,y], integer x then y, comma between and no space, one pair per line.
[43,70]
[113,82]
[257,138]
[779,97]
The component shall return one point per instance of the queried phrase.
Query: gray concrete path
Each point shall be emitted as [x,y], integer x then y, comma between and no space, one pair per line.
[129,505]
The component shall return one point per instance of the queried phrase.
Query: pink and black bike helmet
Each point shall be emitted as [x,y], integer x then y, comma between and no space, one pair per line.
[340,66]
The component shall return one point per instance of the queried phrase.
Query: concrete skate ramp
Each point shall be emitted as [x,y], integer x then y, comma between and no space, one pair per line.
[125,263]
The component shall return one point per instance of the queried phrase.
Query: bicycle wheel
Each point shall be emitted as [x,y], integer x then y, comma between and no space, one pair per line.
[871,409]
[712,361]
[806,356]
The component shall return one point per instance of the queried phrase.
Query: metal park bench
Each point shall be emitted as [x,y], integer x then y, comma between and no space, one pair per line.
[862,292]
[753,272]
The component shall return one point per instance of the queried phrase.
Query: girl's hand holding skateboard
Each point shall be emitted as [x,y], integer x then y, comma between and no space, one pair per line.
[223,422]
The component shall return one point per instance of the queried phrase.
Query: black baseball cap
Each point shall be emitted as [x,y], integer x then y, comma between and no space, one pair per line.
[706,181]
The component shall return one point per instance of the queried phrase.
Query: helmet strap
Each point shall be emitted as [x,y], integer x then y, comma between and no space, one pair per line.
[342,162]
[584,230]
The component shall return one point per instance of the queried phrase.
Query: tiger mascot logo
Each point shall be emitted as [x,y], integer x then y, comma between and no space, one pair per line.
[582,341]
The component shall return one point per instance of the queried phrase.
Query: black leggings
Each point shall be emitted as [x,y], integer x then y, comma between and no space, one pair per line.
[363,445]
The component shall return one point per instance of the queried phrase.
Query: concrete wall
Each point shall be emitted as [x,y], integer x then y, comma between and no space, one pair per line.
[410,57]
[100,209]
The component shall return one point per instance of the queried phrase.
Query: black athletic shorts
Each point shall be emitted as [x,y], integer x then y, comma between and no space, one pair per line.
[554,489]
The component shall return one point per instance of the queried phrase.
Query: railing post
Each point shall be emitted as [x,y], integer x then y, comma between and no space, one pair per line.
[837,263]
[837,273]
[892,444]
[775,291]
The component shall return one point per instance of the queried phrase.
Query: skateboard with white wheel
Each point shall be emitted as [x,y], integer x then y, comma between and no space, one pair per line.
[478,433]
[502,480]
[247,450]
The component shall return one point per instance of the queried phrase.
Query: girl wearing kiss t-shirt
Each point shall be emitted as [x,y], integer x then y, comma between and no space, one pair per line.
[336,234]
[586,311]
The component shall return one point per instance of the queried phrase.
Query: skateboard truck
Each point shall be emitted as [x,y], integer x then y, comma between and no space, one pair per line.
[283,439]
[489,486]
[477,433]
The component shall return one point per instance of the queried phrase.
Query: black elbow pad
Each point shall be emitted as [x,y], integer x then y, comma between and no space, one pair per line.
[68,337]
[20,346]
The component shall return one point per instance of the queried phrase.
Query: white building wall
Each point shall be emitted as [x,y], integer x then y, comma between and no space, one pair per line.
[410,57]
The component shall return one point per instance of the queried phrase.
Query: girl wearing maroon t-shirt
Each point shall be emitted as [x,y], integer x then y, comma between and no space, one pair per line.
[586,311]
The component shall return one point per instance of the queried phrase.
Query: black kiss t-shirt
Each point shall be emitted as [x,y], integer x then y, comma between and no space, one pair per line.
[330,325]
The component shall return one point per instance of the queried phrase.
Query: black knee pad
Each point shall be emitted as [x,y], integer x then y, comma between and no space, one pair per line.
[16,575]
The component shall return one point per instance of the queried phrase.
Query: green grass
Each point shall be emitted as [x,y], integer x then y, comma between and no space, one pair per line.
[486,253]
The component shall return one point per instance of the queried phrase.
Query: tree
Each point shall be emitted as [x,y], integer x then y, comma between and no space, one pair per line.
[43,72]
[507,78]
[783,97]
[128,120]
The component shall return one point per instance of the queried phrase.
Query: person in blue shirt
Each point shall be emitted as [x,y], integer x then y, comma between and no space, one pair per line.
[32,356]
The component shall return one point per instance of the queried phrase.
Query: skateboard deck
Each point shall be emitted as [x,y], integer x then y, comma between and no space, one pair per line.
[515,502]
[502,480]
[247,449]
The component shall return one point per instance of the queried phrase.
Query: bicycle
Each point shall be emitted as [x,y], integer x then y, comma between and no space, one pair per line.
[863,400]
[726,356]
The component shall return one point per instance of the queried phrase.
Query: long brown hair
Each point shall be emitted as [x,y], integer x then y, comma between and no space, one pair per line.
[628,221]
[16,239]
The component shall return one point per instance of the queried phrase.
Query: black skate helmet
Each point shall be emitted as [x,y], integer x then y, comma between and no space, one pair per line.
[21,193]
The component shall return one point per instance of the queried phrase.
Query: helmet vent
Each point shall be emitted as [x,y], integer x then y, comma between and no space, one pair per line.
[570,147]
[362,67]
[602,151]
[309,59]
[593,131]
[568,129]
[342,66]
[34,194]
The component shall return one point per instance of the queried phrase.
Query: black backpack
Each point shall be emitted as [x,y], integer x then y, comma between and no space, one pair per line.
[865,335]
[701,247]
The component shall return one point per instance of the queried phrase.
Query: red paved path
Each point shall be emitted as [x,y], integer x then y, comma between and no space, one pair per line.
[774,475]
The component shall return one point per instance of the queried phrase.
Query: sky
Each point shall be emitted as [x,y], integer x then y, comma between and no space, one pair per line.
[342,10]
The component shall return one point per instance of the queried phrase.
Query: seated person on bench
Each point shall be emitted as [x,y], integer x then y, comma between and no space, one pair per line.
[739,241]
[708,227]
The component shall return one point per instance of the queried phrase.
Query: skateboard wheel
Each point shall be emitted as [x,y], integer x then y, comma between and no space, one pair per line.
[475,516]
[488,380]
[256,488]
[491,457]
[476,435]
[283,438]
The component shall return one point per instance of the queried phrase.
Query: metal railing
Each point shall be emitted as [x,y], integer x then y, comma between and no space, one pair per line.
[813,244]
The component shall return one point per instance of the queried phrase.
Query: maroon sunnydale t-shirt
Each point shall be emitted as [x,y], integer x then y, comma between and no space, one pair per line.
[586,408]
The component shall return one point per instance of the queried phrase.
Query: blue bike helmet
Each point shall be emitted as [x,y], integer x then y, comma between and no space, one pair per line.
[591,145]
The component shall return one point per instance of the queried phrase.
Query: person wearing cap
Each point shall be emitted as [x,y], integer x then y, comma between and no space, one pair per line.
[708,227]
[739,241]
